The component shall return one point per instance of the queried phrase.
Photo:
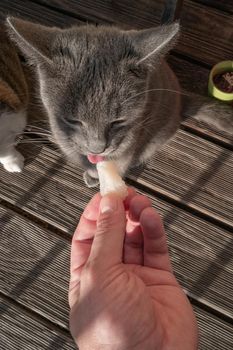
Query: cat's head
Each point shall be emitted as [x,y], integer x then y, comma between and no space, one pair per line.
[92,81]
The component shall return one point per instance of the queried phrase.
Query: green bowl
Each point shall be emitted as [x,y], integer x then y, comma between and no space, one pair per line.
[224,66]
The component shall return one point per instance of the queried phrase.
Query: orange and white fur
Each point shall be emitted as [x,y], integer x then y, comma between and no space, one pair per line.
[13,103]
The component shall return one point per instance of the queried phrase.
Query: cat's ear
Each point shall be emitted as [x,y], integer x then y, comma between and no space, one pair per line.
[154,43]
[34,40]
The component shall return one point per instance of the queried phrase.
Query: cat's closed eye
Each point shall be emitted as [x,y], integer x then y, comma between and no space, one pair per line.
[73,122]
[117,124]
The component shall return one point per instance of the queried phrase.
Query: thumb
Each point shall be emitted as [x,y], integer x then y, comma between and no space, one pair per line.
[108,241]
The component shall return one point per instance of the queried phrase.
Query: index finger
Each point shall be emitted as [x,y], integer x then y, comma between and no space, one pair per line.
[82,238]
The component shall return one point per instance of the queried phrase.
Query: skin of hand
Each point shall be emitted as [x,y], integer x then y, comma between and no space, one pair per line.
[123,294]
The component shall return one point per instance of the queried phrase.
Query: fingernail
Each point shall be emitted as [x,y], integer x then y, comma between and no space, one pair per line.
[108,204]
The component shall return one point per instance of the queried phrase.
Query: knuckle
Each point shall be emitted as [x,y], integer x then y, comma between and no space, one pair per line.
[105,223]
[108,221]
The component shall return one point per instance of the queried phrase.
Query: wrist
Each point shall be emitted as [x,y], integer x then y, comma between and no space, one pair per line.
[150,344]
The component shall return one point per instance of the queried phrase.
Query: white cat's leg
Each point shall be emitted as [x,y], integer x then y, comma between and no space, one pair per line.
[13,162]
[11,124]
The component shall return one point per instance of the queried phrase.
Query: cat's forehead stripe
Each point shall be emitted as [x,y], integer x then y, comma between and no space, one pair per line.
[104,46]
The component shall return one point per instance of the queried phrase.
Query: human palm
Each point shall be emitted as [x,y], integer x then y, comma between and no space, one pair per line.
[123,294]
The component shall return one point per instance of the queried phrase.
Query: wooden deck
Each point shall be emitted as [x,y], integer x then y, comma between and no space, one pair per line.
[190,182]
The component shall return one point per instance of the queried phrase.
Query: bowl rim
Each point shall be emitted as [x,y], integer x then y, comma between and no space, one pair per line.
[214,91]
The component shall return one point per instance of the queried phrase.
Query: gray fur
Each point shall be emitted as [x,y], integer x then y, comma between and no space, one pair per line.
[216,114]
[106,90]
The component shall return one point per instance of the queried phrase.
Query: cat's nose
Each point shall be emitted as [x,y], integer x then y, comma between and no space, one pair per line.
[97,149]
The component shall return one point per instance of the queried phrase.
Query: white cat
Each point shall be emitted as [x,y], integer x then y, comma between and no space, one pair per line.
[13,104]
[12,123]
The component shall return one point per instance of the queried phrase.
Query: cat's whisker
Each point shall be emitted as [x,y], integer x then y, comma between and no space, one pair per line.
[36,127]
[24,141]
[34,141]
[70,153]
[40,121]
[35,133]
[39,125]
[34,138]
[152,90]
[144,122]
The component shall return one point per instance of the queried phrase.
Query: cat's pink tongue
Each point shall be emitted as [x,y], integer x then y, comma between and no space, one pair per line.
[94,159]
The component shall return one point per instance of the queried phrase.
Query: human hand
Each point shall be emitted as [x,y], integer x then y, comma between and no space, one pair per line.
[123,294]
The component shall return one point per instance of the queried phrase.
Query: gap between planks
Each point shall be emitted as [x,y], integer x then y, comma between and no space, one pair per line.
[192,209]
[223,5]
[35,219]
[23,329]
[23,308]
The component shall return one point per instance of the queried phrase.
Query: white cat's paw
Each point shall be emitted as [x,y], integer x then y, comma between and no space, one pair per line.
[14,164]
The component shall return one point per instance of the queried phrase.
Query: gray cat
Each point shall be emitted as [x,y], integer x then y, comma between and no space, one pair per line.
[108,93]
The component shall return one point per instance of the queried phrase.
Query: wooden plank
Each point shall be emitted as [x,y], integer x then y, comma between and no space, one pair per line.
[202,42]
[190,170]
[209,41]
[183,72]
[20,330]
[45,175]
[35,12]
[172,10]
[214,333]
[193,77]
[201,252]
[34,267]
[223,5]
[222,256]
[34,271]
[195,172]
[122,12]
